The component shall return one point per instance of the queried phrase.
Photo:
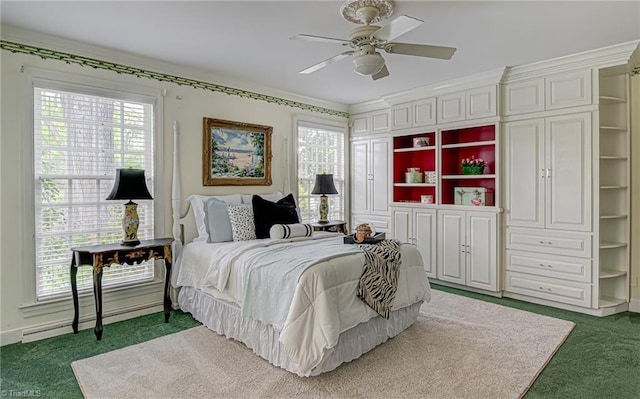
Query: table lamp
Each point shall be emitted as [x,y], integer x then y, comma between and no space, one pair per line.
[324,185]
[130,184]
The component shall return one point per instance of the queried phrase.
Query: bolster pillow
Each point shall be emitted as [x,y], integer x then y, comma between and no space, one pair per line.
[290,230]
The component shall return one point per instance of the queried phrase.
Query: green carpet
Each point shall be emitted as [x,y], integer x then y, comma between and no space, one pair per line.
[600,358]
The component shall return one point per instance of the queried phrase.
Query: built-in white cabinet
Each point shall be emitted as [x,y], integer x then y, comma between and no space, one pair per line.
[562,90]
[417,226]
[523,97]
[470,104]
[370,182]
[548,172]
[370,123]
[413,114]
[467,248]
[570,89]
[451,107]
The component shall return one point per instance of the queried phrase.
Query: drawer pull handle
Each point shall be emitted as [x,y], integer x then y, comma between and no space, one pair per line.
[541,242]
[541,288]
[550,267]
[541,265]
[549,242]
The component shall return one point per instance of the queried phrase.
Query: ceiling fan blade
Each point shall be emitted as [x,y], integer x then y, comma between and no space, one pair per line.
[397,27]
[321,39]
[326,62]
[383,73]
[421,50]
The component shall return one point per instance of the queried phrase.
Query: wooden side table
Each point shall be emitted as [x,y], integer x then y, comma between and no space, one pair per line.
[336,226]
[100,256]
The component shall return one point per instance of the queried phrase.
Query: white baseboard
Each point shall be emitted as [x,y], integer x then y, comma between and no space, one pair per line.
[47,330]
[634,305]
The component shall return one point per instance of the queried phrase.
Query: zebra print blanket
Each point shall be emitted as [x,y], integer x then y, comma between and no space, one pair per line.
[379,281]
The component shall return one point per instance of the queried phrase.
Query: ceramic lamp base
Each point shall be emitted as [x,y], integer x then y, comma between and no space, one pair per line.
[130,223]
[324,209]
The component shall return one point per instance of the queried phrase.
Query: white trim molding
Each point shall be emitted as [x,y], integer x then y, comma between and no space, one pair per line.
[634,306]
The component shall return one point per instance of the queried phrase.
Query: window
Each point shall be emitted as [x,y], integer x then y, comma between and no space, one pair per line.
[320,150]
[80,139]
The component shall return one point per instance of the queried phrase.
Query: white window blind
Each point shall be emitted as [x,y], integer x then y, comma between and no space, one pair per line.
[320,150]
[80,140]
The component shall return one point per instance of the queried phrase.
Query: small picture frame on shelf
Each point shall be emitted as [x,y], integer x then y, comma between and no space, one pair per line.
[419,142]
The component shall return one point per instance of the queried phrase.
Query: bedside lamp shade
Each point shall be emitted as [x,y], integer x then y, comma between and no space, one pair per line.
[324,185]
[130,184]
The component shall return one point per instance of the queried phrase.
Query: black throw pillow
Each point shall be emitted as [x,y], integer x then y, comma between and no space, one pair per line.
[267,213]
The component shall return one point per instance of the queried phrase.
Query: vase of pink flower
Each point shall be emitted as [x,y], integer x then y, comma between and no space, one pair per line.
[473,166]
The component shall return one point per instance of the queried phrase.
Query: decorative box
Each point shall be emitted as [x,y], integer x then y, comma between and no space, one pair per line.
[350,239]
[475,196]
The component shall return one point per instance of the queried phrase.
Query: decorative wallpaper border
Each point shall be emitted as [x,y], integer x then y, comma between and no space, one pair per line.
[162,77]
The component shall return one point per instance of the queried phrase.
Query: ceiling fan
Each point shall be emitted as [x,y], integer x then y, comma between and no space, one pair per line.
[365,40]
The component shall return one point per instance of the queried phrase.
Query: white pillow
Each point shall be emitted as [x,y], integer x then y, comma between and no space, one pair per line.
[273,197]
[242,226]
[290,230]
[197,205]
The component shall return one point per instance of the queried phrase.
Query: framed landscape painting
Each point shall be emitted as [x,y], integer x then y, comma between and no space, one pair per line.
[236,153]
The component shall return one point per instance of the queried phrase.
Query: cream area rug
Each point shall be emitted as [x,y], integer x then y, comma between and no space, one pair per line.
[458,348]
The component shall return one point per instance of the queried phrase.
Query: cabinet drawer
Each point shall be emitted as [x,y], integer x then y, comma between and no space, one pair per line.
[549,241]
[578,294]
[574,269]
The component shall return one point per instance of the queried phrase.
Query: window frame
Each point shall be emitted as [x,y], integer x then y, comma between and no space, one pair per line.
[57,80]
[329,124]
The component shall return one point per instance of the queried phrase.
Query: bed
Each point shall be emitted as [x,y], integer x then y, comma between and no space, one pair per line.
[292,300]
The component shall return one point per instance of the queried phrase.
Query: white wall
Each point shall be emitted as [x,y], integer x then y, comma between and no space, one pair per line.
[17,313]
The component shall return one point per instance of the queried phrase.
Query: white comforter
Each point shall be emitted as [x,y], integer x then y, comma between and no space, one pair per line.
[314,306]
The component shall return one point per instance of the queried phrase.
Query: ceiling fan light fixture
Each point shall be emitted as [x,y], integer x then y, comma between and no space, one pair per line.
[368,64]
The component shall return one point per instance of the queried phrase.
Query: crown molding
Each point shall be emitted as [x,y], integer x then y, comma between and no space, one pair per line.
[618,54]
[23,41]
[486,78]
[368,106]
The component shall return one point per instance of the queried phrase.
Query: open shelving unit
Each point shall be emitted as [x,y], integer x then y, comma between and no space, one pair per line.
[443,155]
[405,156]
[614,195]
[457,144]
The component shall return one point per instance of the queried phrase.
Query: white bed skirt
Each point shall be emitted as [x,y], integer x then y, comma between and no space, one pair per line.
[225,318]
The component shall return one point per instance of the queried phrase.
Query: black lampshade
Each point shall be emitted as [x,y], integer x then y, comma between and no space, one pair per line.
[324,185]
[130,184]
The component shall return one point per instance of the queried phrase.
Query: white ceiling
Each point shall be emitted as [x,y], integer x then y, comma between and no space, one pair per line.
[249,40]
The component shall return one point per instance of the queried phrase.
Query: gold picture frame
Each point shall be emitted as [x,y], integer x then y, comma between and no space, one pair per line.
[235,153]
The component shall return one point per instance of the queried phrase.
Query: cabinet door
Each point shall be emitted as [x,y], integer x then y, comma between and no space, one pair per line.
[424,226]
[360,124]
[360,177]
[424,112]
[451,246]
[481,247]
[523,97]
[401,224]
[401,116]
[570,89]
[451,108]
[481,103]
[568,172]
[379,176]
[524,153]
[380,121]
